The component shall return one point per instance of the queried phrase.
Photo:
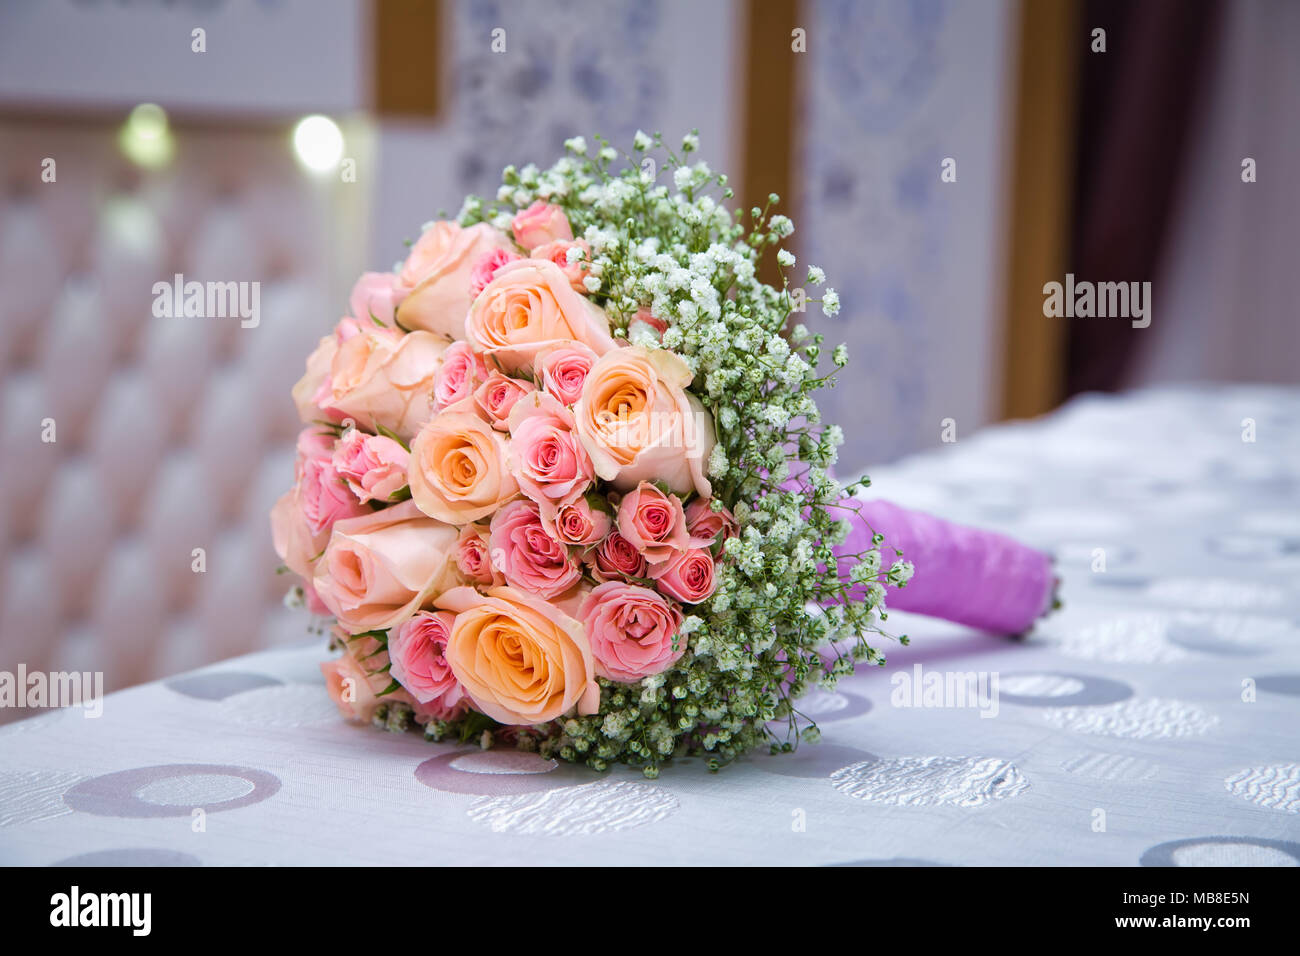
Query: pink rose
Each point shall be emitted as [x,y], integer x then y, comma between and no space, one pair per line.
[436,276]
[313,443]
[529,307]
[616,557]
[530,558]
[472,557]
[455,379]
[557,251]
[498,394]
[539,224]
[416,649]
[486,268]
[578,524]
[653,522]
[631,631]
[707,525]
[688,577]
[564,369]
[374,297]
[546,457]
[380,568]
[382,377]
[373,466]
[644,318]
[324,496]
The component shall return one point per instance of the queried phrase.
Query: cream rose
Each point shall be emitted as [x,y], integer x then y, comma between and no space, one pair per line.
[529,306]
[437,274]
[382,377]
[638,422]
[458,471]
[520,659]
[379,569]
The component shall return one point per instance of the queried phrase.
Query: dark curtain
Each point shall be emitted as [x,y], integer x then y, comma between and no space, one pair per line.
[1138,106]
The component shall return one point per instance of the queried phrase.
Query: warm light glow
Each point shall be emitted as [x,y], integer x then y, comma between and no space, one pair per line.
[318,141]
[145,137]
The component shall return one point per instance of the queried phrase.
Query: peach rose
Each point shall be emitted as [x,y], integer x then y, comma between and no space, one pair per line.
[384,378]
[380,568]
[654,523]
[458,471]
[530,558]
[689,576]
[374,298]
[546,458]
[564,369]
[638,422]
[313,388]
[521,659]
[352,687]
[373,466]
[436,276]
[417,651]
[297,544]
[539,224]
[529,307]
[557,251]
[632,631]
[498,395]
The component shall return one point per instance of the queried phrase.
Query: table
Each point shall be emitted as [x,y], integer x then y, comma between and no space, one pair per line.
[1154,720]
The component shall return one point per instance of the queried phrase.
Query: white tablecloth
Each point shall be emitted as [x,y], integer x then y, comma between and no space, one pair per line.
[1154,720]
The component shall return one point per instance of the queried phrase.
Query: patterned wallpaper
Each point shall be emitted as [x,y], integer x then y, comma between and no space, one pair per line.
[889,91]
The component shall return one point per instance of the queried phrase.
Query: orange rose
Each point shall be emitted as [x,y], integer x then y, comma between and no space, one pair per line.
[530,306]
[638,422]
[521,659]
[436,276]
[458,471]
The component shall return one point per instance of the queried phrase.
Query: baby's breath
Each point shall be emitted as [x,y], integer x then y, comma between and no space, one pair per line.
[788,612]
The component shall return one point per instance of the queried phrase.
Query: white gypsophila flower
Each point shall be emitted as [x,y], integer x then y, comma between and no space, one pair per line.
[573,254]
[690,142]
[682,177]
[576,144]
[816,276]
[785,258]
[592,283]
[841,355]
[830,302]
[641,142]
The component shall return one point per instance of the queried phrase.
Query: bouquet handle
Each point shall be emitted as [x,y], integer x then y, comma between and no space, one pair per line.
[966,575]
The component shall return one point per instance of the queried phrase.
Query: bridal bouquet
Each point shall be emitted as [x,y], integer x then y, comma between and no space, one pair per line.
[564,485]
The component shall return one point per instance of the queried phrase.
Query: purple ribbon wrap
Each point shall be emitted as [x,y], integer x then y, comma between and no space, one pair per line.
[981,579]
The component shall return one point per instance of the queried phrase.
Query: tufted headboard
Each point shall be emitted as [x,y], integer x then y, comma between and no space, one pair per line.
[169,434]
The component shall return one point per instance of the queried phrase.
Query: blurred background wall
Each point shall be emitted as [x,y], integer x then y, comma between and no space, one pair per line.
[176,434]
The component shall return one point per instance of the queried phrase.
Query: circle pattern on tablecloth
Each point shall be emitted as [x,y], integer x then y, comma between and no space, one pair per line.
[1223,851]
[218,685]
[1275,787]
[131,856]
[498,772]
[931,781]
[120,794]
[1109,766]
[1288,684]
[1149,718]
[284,706]
[587,810]
[1059,689]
